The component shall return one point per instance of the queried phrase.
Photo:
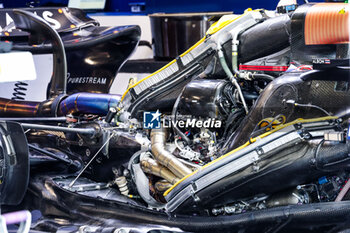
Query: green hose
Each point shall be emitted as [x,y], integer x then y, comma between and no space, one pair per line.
[231,77]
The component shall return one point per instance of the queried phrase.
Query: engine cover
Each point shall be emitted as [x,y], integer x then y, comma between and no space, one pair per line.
[205,99]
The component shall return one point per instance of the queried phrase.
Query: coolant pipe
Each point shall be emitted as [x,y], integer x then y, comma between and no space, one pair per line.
[235,44]
[164,157]
[231,76]
[151,166]
[92,103]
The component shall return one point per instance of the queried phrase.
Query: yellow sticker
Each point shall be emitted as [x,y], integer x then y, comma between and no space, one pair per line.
[342,11]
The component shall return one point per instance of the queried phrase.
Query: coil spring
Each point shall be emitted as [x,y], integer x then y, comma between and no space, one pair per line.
[122,185]
[19,91]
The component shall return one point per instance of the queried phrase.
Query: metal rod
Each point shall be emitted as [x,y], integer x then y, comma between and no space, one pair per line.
[92,159]
[39,119]
[52,155]
[88,131]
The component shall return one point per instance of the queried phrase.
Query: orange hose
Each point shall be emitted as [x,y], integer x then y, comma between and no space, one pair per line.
[327,23]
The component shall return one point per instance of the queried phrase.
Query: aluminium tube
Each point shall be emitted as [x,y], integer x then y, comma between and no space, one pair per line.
[164,157]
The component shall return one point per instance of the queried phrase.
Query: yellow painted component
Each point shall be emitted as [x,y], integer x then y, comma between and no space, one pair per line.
[164,67]
[300,120]
[342,11]
[193,46]
[226,20]
[274,122]
[222,22]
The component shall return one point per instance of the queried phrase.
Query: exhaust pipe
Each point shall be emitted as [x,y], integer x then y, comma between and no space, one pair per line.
[151,166]
[164,157]
[89,103]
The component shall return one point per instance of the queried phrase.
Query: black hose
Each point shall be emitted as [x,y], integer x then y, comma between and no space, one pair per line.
[173,120]
[54,156]
[265,77]
[232,118]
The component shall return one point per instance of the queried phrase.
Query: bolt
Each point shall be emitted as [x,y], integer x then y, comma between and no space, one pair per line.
[313,161]
[81,142]
[256,168]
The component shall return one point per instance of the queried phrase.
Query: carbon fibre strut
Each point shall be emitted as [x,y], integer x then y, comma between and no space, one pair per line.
[91,160]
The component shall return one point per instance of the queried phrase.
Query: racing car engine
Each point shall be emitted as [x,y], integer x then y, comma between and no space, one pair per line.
[228,127]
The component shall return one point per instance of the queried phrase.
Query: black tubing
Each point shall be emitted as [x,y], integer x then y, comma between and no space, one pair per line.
[265,77]
[54,156]
[173,119]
